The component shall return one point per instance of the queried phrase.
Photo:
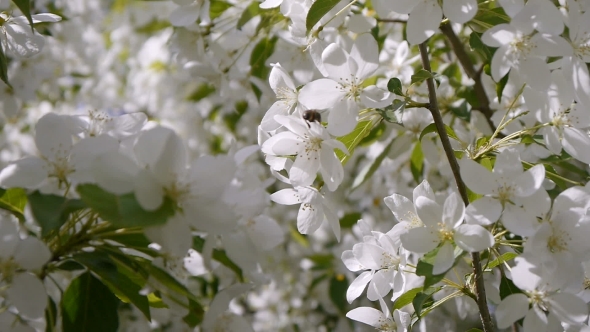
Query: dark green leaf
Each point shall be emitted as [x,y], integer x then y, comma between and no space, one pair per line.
[488,17]
[353,139]
[374,135]
[406,298]
[52,211]
[453,73]
[70,265]
[462,112]
[261,52]
[201,92]
[14,200]
[195,313]
[350,219]
[25,8]
[507,287]
[505,257]
[370,169]
[478,46]
[324,261]
[424,299]
[124,210]
[250,12]
[338,287]
[468,93]
[317,10]
[500,87]
[421,76]
[4,67]
[50,316]
[90,306]
[122,286]
[431,128]
[417,162]
[395,85]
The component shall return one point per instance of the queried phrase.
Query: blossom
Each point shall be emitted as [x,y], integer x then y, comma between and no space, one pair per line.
[443,225]
[343,91]
[313,148]
[286,91]
[17,37]
[382,319]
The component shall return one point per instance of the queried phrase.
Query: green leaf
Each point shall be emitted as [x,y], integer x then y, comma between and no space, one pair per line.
[353,139]
[261,52]
[474,330]
[417,162]
[337,291]
[170,283]
[395,85]
[487,18]
[421,76]
[507,287]
[50,316]
[374,134]
[370,169]
[454,74]
[431,128]
[350,219]
[317,10]
[322,261]
[122,286]
[406,298]
[52,211]
[4,68]
[217,8]
[393,113]
[500,87]
[249,13]
[424,299]
[218,255]
[195,314]
[25,8]
[505,257]
[468,93]
[88,305]
[462,112]
[124,210]
[478,46]
[14,200]
[201,92]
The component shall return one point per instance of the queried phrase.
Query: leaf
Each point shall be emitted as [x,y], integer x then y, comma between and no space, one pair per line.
[217,8]
[423,300]
[25,8]
[353,139]
[195,312]
[124,210]
[395,85]
[507,287]
[201,92]
[462,112]
[500,87]
[417,162]
[505,257]
[14,200]
[370,169]
[122,286]
[487,18]
[337,291]
[478,46]
[4,67]
[52,211]
[474,330]
[317,10]
[218,255]
[261,52]
[169,282]
[393,113]
[406,298]
[426,265]
[421,76]
[88,305]
[250,12]
[350,219]
[50,316]
[431,128]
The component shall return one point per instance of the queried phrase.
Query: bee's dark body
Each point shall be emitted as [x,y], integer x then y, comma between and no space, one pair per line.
[311,116]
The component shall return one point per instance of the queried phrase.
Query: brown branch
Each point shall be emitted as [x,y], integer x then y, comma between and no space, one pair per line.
[475,75]
[446,143]
[391,20]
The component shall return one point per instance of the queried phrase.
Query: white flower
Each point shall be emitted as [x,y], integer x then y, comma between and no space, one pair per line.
[381,320]
[444,226]
[189,11]
[313,210]
[343,92]
[17,37]
[313,148]
[286,92]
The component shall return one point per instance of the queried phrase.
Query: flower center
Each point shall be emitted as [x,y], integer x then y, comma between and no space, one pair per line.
[351,87]
[8,268]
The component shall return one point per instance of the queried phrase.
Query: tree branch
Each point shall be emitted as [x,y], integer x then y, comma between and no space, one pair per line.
[465,61]
[391,20]
[446,143]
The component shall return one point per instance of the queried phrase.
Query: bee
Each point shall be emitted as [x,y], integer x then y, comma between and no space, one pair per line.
[311,116]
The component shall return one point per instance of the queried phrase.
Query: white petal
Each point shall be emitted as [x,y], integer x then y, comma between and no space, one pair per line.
[184,15]
[28,295]
[372,96]
[499,35]
[366,54]
[485,211]
[423,189]
[549,45]
[28,172]
[429,211]
[403,209]
[518,221]
[423,22]
[304,169]
[309,218]
[576,143]
[357,287]
[174,236]
[279,107]
[420,240]
[320,94]
[380,285]
[477,177]
[535,73]
[473,238]
[530,181]
[148,192]
[115,172]
[286,197]
[282,144]
[31,253]
[453,210]
[501,63]
[331,168]
[370,256]
[460,11]
[336,63]
[511,309]
[343,117]
[535,320]
[569,308]
[444,259]
[369,316]
[21,41]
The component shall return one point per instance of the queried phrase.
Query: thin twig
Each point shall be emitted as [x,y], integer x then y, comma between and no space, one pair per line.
[475,75]
[391,20]
[446,143]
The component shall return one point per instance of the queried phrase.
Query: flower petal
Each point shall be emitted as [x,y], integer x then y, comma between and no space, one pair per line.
[473,238]
[511,309]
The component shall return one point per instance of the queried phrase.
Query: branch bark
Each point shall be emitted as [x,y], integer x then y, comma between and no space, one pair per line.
[446,143]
